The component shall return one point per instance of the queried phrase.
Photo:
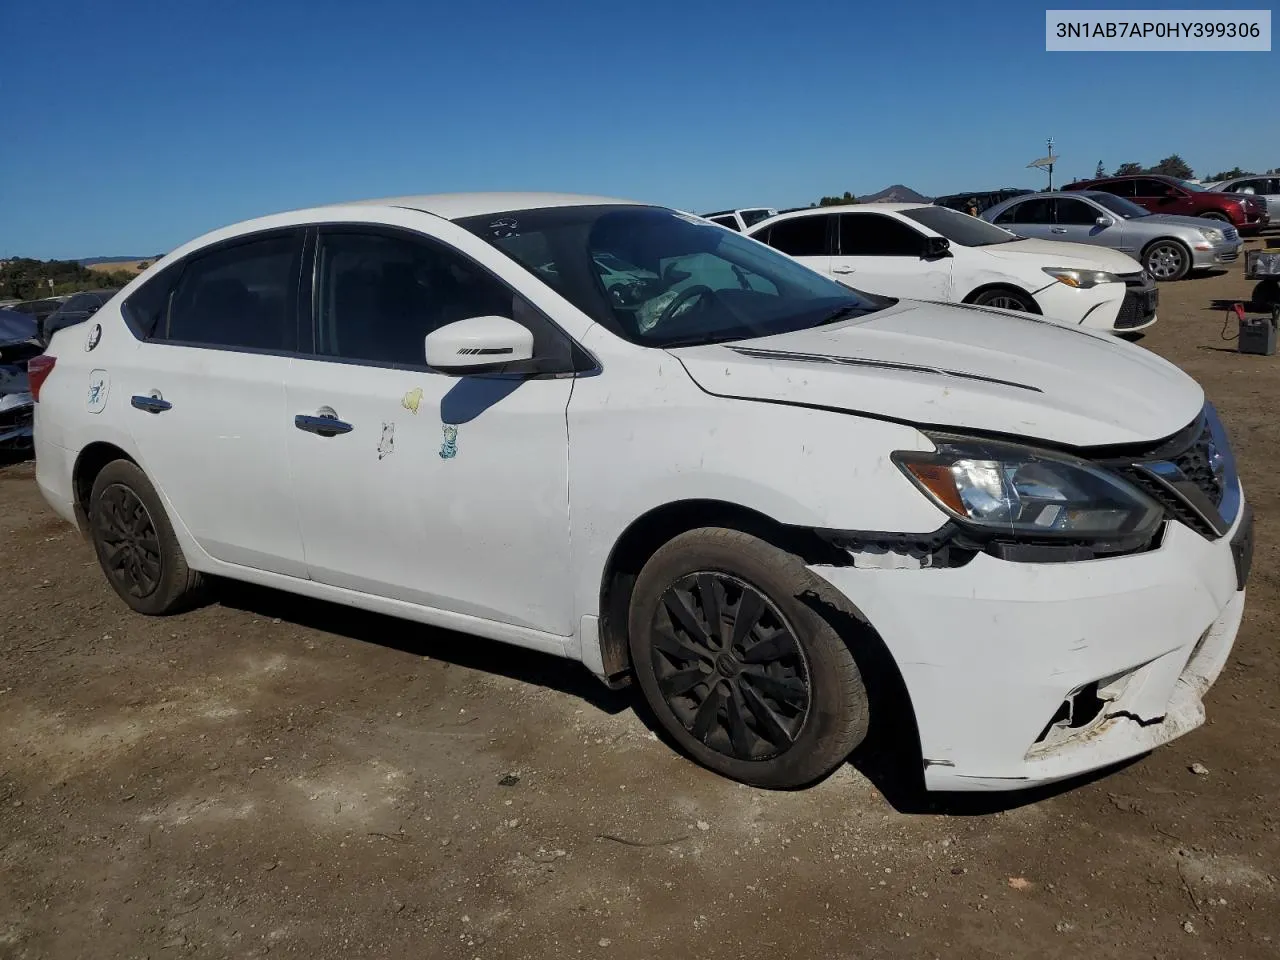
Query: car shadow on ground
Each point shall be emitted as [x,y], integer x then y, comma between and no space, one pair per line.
[889,757]
[447,646]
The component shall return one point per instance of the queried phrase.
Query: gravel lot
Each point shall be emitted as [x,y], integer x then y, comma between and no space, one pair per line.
[276,776]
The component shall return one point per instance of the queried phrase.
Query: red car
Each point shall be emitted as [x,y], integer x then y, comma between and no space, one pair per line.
[1161,194]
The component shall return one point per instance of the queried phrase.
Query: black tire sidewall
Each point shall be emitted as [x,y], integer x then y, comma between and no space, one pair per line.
[838,711]
[175,576]
[984,299]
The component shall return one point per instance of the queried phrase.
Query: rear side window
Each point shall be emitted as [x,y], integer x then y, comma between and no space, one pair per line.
[1151,188]
[241,296]
[729,222]
[873,235]
[1028,211]
[1076,212]
[800,236]
[1121,188]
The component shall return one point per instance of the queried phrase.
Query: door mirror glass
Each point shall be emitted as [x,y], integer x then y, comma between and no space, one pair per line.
[478,345]
[1104,221]
[935,247]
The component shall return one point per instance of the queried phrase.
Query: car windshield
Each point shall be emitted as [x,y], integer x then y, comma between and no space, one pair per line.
[1119,205]
[660,278]
[1188,185]
[960,227]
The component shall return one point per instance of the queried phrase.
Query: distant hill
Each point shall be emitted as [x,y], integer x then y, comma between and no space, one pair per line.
[895,194]
[89,262]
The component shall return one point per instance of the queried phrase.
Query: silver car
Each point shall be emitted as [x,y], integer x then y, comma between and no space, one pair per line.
[1168,246]
[1264,188]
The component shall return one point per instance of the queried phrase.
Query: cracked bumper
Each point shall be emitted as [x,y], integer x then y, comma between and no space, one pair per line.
[990,651]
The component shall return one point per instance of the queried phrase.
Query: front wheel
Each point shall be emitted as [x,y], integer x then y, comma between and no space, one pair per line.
[747,677]
[1005,298]
[1167,260]
[135,542]
[1215,215]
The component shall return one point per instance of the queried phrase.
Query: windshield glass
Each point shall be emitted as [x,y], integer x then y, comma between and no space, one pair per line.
[1119,205]
[659,278]
[959,227]
[1187,184]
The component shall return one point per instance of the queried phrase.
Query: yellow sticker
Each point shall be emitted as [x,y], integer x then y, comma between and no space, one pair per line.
[412,399]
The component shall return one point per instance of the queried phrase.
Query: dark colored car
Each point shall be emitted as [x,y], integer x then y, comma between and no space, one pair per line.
[17,346]
[77,308]
[1161,194]
[982,199]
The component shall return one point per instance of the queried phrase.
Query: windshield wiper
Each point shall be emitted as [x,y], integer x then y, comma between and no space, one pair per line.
[840,313]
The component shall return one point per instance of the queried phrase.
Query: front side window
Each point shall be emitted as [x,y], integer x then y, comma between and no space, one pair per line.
[960,227]
[729,222]
[658,278]
[875,235]
[752,217]
[240,296]
[804,236]
[1121,188]
[1152,188]
[1076,212]
[1120,206]
[379,294]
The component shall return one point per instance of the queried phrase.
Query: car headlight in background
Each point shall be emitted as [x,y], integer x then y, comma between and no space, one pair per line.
[1025,493]
[1082,279]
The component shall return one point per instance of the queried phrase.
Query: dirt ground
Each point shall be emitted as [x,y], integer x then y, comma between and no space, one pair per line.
[275,776]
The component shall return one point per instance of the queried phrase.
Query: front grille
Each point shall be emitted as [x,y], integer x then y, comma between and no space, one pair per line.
[1231,234]
[1196,467]
[1189,454]
[1173,505]
[1228,257]
[1134,310]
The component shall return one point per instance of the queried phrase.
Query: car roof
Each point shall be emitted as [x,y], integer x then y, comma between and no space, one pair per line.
[455,206]
[858,207]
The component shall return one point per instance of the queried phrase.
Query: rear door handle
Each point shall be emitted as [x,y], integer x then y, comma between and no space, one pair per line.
[844,269]
[324,426]
[150,404]
[1058,230]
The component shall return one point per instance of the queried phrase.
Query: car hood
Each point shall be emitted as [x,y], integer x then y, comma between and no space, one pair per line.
[971,368]
[1195,223]
[1059,253]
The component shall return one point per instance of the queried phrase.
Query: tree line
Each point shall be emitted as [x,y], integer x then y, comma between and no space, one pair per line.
[26,279]
[1174,166]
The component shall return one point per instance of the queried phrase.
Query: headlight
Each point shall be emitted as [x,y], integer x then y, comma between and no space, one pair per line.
[1212,235]
[1084,279]
[1029,493]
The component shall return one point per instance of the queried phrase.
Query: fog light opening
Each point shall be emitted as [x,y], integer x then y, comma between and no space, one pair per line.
[1080,709]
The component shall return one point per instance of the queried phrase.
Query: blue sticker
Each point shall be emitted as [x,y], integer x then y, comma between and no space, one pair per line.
[449,448]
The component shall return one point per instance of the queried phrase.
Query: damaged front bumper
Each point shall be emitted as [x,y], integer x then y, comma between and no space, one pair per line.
[1023,674]
[17,412]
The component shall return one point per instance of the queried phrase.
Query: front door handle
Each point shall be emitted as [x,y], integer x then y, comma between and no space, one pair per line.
[150,404]
[322,425]
[843,269]
[1058,230]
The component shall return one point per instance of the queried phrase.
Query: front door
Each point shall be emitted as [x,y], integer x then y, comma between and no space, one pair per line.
[882,255]
[1077,221]
[206,394]
[448,492]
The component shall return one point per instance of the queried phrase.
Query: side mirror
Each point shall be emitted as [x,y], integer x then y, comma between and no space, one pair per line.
[935,248]
[478,345]
[1105,222]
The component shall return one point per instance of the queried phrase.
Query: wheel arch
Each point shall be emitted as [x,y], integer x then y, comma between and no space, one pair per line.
[645,534]
[1003,285]
[89,464]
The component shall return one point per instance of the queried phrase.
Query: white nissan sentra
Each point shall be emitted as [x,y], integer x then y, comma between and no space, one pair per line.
[622,435]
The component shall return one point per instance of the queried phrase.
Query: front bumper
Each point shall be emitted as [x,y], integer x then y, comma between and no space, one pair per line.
[992,651]
[16,420]
[1095,308]
[1218,256]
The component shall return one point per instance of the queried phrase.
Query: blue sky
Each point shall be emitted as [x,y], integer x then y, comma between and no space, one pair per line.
[131,128]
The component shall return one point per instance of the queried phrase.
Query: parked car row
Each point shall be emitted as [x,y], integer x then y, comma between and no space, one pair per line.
[18,344]
[624,435]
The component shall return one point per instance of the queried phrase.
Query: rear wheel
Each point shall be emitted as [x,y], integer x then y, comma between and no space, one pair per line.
[1167,260]
[747,677]
[1005,298]
[135,543]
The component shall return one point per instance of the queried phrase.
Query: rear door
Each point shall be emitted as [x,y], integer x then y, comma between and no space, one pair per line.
[880,254]
[206,396]
[807,238]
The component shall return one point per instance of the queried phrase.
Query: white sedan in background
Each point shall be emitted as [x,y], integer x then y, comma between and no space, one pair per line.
[623,435]
[926,252]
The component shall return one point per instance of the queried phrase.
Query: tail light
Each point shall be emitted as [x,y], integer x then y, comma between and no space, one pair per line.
[38,370]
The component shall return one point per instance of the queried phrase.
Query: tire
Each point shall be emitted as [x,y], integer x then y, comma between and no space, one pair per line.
[135,543]
[791,682]
[1006,298]
[1167,260]
[1215,215]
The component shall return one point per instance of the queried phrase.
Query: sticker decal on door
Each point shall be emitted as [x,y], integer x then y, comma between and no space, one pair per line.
[387,444]
[412,400]
[99,385]
[449,446]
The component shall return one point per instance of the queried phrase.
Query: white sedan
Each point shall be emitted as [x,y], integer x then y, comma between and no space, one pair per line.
[622,435]
[927,252]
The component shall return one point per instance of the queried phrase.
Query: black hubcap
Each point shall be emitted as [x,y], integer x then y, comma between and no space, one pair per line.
[730,667]
[130,547]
